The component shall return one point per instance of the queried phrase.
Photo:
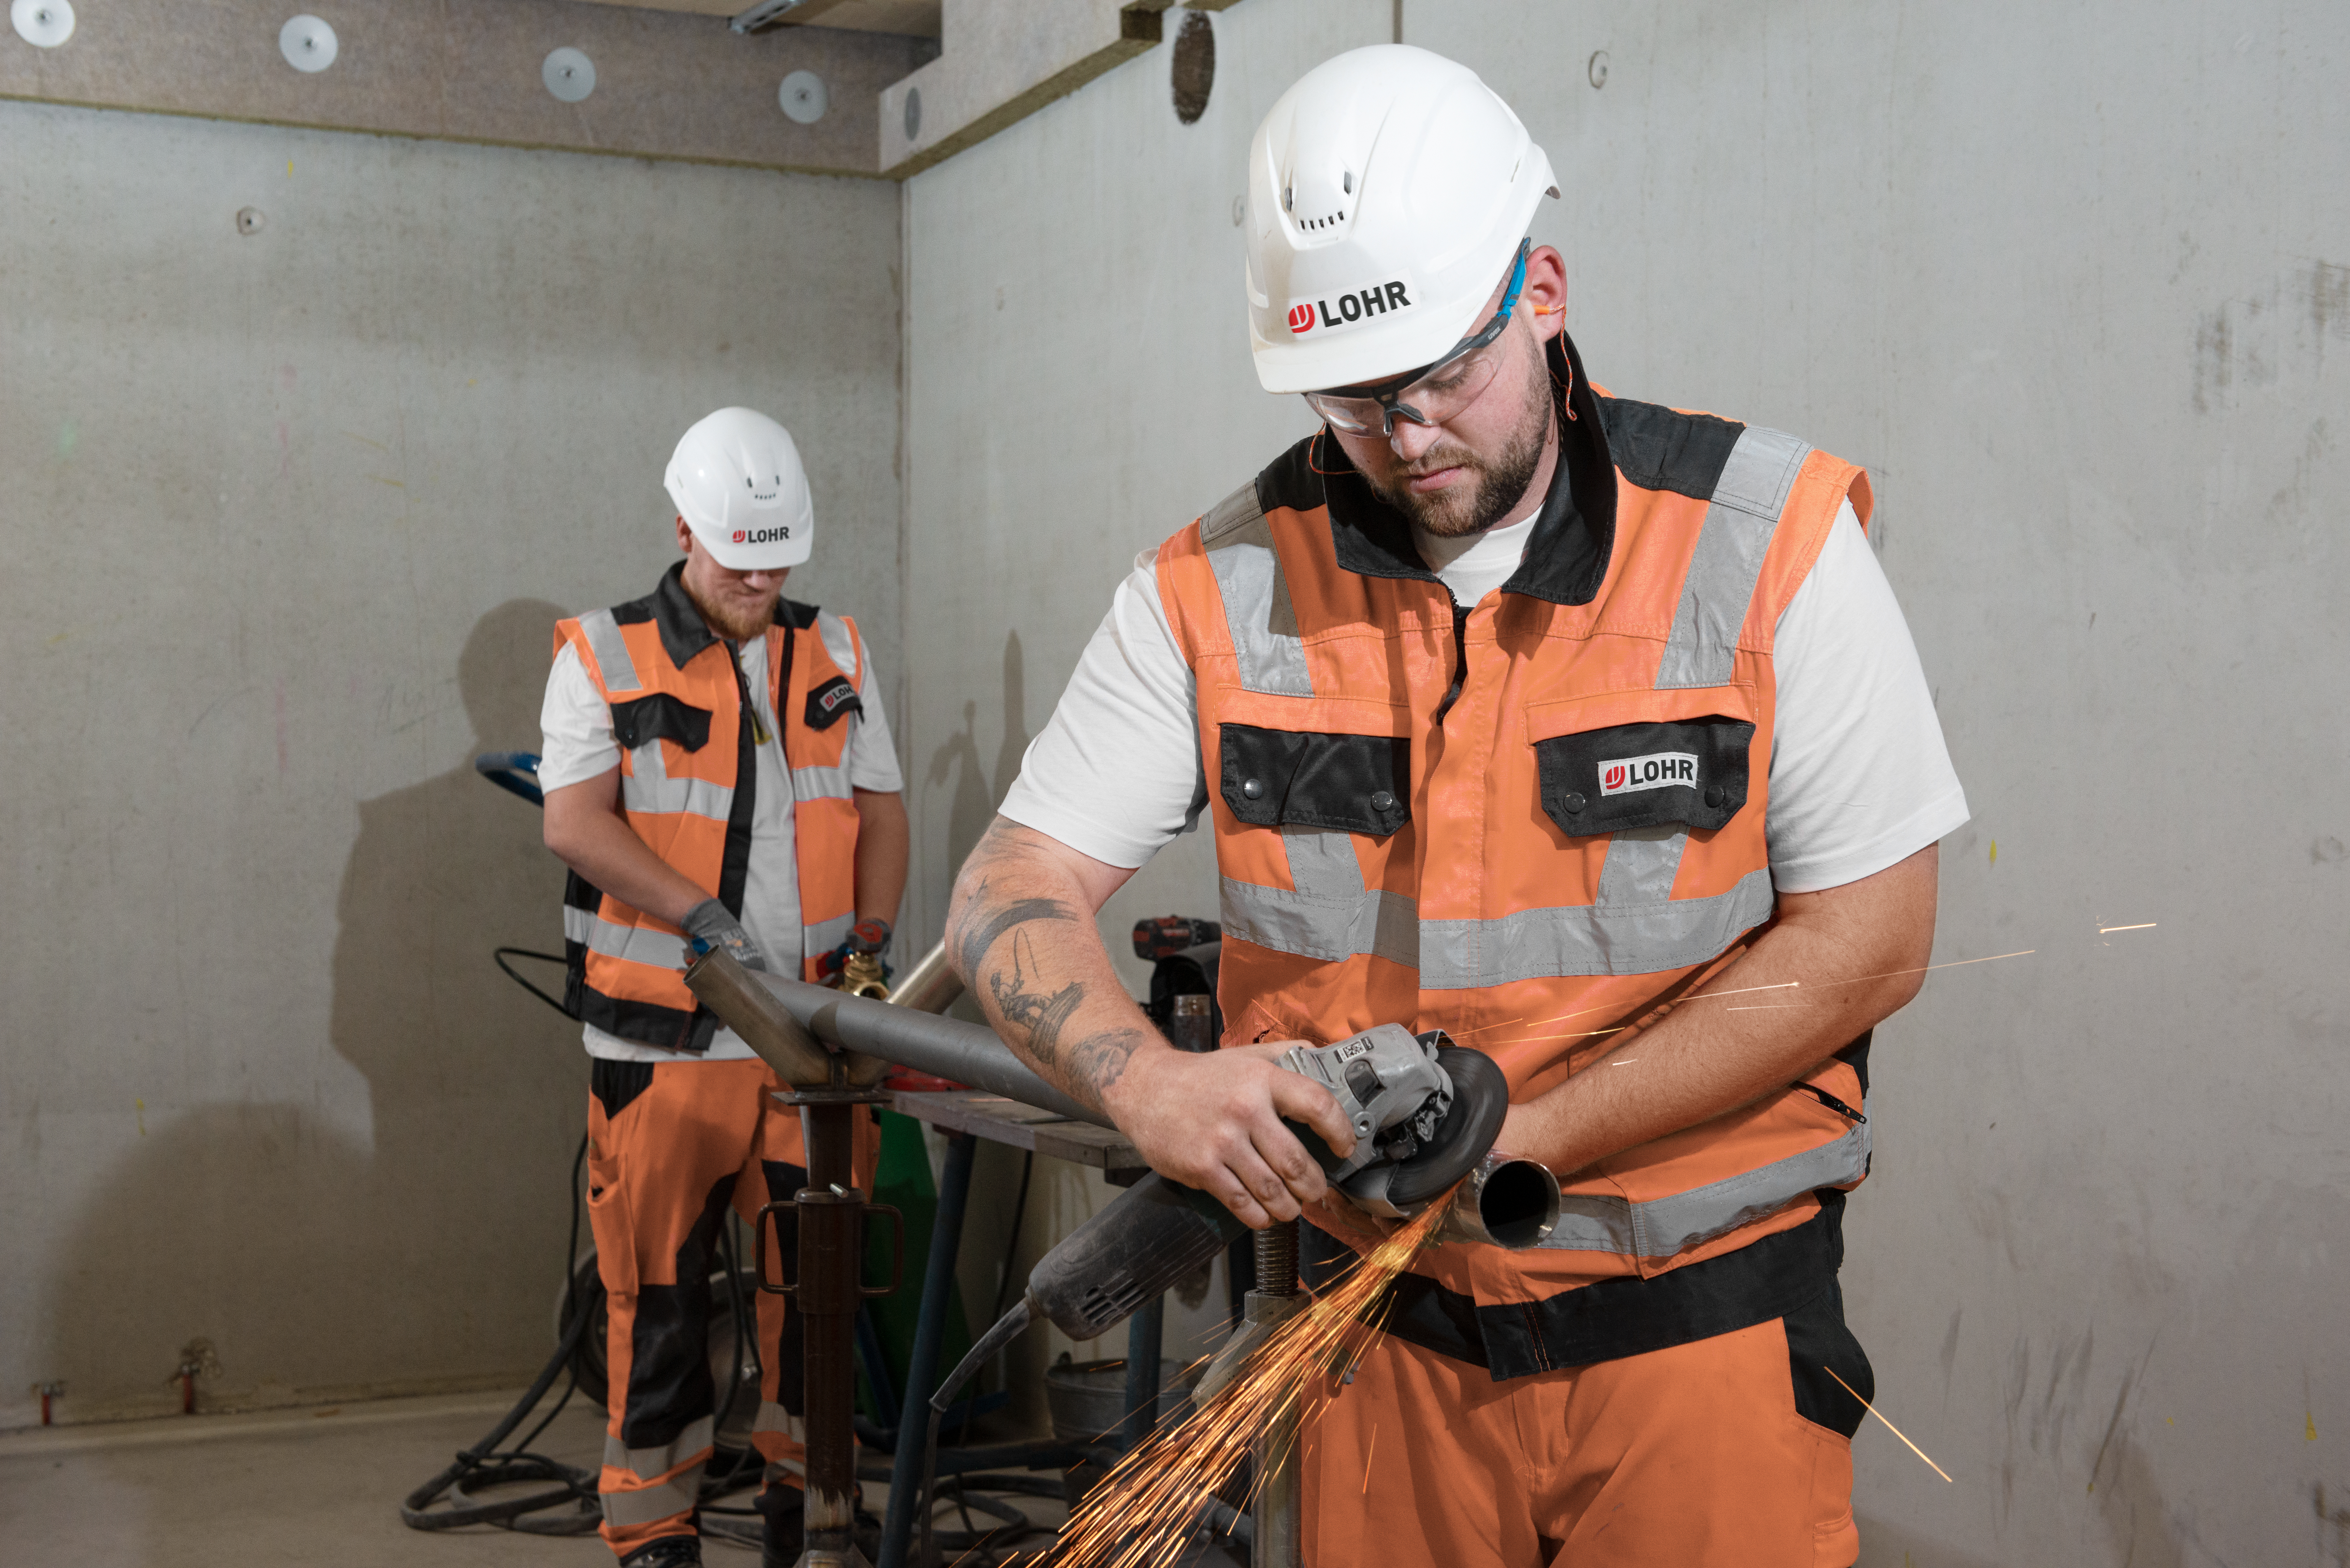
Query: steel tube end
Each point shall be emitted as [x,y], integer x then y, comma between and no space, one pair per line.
[1505,1202]
[750,1010]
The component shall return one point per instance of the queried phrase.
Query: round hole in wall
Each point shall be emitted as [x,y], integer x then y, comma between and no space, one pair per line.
[913,113]
[568,74]
[249,219]
[308,43]
[44,24]
[1597,69]
[802,97]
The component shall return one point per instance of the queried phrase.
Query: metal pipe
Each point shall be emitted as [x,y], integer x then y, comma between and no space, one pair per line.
[922,1365]
[773,1035]
[1504,1203]
[930,986]
[947,1047]
[1144,1333]
[1278,1542]
[831,1224]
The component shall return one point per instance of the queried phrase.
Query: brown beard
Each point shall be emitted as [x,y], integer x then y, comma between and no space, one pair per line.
[728,625]
[1457,511]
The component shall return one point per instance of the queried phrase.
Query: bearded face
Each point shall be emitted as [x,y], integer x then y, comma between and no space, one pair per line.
[1498,477]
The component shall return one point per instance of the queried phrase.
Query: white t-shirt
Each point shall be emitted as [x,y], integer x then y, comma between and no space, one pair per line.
[1860,775]
[578,745]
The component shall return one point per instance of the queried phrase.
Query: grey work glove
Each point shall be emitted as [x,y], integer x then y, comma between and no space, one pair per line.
[710,925]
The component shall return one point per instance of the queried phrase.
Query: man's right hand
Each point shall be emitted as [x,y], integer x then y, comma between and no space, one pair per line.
[1214,1121]
[710,924]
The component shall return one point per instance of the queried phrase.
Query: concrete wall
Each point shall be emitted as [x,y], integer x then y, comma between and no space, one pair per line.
[2075,283]
[290,516]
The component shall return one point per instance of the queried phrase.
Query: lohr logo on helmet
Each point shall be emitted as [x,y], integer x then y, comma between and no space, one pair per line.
[1658,770]
[762,535]
[1357,305]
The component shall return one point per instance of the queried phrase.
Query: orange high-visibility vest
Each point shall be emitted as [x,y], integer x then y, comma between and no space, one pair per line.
[1533,822]
[688,777]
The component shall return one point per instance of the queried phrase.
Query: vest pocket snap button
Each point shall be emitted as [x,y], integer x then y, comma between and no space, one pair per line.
[1382,801]
[1572,803]
[1252,788]
[1714,794]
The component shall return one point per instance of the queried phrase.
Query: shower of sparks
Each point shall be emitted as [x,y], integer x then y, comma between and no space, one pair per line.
[2147,926]
[1142,1514]
[1888,1425]
[1369,1449]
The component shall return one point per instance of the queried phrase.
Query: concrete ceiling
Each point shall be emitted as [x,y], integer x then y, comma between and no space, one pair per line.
[908,19]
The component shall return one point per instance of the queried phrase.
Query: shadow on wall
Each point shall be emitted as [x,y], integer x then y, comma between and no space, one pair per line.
[430,1255]
[977,793]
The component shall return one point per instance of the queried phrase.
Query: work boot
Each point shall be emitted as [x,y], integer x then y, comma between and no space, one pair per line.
[668,1552]
[782,1533]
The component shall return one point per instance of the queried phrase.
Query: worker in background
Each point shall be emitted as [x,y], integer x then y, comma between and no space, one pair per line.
[1539,715]
[718,773]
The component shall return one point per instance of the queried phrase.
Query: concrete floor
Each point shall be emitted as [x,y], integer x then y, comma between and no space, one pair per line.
[301,1487]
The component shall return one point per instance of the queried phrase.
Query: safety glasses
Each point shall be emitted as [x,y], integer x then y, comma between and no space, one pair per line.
[1433,393]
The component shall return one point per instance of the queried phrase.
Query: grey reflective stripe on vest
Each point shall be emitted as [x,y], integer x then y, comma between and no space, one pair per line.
[838,643]
[1589,939]
[1641,865]
[821,783]
[826,934]
[646,787]
[1662,1227]
[774,1417]
[1378,923]
[1736,534]
[634,944]
[647,1463]
[611,651]
[1257,611]
[652,1504]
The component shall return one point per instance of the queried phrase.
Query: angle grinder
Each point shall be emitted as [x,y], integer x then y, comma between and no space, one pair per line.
[1425,1112]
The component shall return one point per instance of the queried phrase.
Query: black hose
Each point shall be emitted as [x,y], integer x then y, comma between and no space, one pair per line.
[499,955]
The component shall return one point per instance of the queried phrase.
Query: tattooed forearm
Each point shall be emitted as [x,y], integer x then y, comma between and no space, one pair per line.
[1054,996]
[1100,1059]
[982,926]
[1031,1009]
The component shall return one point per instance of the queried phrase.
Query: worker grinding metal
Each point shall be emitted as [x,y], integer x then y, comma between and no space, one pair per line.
[717,770]
[1518,710]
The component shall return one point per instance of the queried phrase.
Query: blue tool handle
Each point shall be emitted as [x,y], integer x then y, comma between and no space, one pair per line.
[513,772]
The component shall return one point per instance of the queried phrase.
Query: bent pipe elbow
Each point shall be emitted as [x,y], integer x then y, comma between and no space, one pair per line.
[945,1047]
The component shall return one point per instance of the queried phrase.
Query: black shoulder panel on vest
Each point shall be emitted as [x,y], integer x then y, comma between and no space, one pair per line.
[793,614]
[1658,448]
[1290,480]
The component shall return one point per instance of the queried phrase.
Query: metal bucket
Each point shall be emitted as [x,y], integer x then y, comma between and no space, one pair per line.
[1087,1399]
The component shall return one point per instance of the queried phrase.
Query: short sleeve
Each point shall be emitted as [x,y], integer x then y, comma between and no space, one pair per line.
[575,724]
[872,753]
[1860,777]
[1114,774]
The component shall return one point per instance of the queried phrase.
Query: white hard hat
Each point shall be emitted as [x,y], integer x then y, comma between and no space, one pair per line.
[1387,190]
[737,481]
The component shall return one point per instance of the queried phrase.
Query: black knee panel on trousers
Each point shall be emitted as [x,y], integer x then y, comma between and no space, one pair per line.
[1817,1342]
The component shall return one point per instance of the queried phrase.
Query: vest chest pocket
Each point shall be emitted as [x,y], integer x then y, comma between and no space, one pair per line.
[1355,784]
[659,717]
[1687,771]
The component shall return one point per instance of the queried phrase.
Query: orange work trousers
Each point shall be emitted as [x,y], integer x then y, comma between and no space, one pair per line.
[669,1146]
[1697,1456]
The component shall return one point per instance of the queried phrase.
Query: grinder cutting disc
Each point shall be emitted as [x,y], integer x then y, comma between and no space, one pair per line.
[1480,1098]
